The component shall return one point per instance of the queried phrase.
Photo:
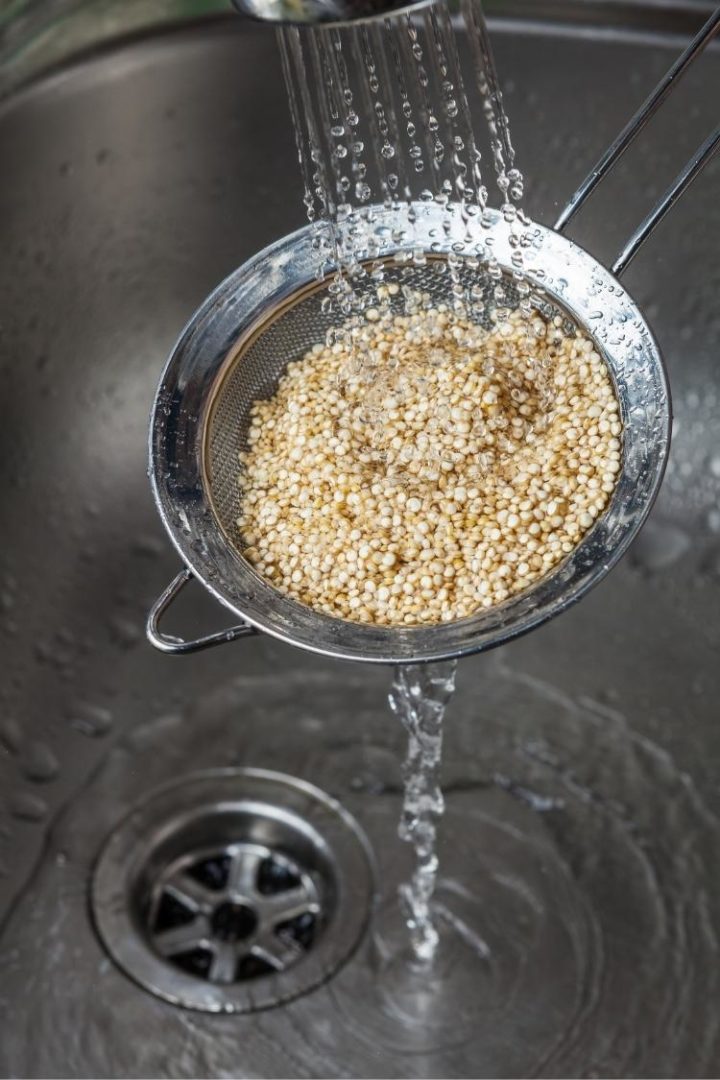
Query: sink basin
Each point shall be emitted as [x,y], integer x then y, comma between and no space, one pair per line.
[581,834]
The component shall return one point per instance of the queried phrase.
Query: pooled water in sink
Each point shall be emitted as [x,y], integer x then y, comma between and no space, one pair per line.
[573,899]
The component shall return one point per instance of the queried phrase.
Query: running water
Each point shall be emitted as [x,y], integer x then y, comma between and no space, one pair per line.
[383,121]
[419,696]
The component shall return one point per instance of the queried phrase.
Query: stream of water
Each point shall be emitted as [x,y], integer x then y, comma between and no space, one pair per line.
[383,119]
[419,696]
[383,114]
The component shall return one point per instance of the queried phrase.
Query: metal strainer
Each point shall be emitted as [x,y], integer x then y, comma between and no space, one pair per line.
[269,312]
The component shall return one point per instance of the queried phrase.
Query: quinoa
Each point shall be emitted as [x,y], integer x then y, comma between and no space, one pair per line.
[421,467]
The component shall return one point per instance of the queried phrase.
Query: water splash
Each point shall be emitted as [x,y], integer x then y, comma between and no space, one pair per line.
[419,696]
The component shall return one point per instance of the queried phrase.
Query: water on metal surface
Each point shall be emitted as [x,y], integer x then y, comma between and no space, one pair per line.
[581,762]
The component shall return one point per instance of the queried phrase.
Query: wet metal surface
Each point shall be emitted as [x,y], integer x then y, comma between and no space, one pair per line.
[580,844]
[232,890]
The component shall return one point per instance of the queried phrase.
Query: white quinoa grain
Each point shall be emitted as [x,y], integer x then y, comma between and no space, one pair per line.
[495,452]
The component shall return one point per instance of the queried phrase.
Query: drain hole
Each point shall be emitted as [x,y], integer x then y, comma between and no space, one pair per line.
[233,922]
[300,929]
[212,873]
[171,913]
[195,962]
[235,914]
[276,876]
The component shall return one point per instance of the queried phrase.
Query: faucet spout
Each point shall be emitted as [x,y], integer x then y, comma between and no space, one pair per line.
[314,12]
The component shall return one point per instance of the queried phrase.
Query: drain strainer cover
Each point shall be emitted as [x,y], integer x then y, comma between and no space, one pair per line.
[233,890]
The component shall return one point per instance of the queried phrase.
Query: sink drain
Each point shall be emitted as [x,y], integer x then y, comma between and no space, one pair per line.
[234,913]
[233,890]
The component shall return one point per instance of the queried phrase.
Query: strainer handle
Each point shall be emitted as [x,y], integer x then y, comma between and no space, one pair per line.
[637,122]
[177,646]
[680,184]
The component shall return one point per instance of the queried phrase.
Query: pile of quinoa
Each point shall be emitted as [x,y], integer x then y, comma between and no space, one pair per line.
[422,467]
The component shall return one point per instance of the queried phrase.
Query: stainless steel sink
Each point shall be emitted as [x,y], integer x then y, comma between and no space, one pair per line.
[582,761]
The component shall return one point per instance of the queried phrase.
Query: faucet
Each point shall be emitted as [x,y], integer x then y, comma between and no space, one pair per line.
[323,11]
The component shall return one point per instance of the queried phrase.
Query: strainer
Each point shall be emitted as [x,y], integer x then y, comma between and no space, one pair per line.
[270,311]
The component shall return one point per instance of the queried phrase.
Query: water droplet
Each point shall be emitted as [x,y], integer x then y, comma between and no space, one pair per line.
[659,546]
[92,720]
[10,735]
[39,763]
[713,520]
[28,807]
[124,631]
